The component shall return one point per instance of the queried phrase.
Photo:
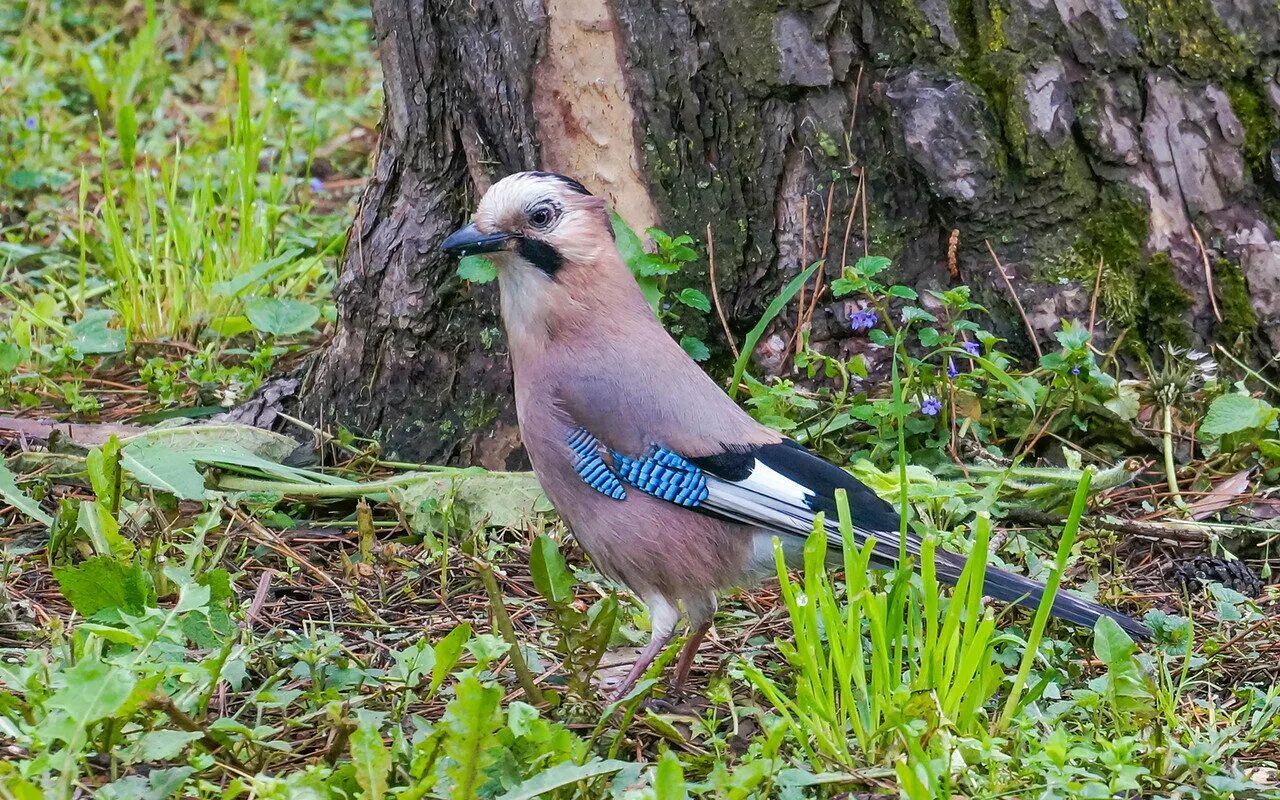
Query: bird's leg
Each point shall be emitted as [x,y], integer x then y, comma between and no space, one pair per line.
[676,687]
[663,616]
[700,611]
[656,643]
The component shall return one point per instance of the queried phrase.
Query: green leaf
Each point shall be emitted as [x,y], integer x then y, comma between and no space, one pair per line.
[695,347]
[370,756]
[668,779]
[1110,643]
[469,723]
[903,291]
[694,299]
[872,265]
[94,690]
[476,269]
[102,582]
[11,494]
[163,468]
[1233,413]
[448,651]
[103,466]
[165,745]
[629,244]
[99,524]
[91,336]
[281,317]
[256,275]
[550,572]
[774,308]
[10,357]
[499,499]
[559,776]
[25,180]
[267,444]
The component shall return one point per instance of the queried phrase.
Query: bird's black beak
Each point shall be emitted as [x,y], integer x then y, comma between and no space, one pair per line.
[469,241]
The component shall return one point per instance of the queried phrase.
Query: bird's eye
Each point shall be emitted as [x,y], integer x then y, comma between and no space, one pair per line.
[541,217]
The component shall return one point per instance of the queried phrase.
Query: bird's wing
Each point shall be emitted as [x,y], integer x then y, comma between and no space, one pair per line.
[780,487]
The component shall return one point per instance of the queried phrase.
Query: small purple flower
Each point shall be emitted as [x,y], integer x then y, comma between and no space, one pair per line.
[1075,370]
[972,348]
[316,185]
[863,319]
[952,372]
[930,406]
[30,123]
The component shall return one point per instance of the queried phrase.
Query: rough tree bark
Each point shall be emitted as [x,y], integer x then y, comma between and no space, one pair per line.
[1138,133]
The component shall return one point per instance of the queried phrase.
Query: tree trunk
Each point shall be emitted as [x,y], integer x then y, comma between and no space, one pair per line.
[1141,135]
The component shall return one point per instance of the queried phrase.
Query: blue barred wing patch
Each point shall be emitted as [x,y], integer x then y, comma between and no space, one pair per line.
[664,475]
[591,467]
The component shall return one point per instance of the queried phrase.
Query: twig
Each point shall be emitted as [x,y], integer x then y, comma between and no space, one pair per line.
[259,596]
[165,704]
[1093,301]
[1031,332]
[1208,273]
[1182,532]
[848,223]
[715,293]
[503,621]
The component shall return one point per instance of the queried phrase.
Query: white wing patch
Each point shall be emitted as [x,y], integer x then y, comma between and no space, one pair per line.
[773,501]
[769,482]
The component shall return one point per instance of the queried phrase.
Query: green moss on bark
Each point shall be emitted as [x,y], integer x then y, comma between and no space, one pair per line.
[1238,320]
[1188,36]
[1163,304]
[1114,235]
[1254,113]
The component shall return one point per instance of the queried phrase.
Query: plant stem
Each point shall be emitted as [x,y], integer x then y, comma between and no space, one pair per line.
[1170,468]
[503,621]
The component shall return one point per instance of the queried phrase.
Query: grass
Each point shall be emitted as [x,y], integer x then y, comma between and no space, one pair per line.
[182,614]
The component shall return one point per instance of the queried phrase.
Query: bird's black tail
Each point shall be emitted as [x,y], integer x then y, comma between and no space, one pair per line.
[1010,588]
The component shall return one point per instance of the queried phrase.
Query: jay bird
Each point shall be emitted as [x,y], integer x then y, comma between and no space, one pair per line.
[670,487]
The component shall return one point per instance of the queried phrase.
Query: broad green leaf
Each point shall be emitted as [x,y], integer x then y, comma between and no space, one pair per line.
[12,495]
[281,317]
[695,347]
[632,251]
[103,582]
[469,724]
[550,572]
[499,499]
[1233,413]
[871,265]
[1110,643]
[94,690]
[10,357]
[668,778]
[267,444]
[448,651]
[476,269]
[165,745]
[91,336]
[561,775]
[164,468]
[370,756]
[694,299]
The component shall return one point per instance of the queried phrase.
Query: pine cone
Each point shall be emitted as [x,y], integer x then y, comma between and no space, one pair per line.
[1193,574]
